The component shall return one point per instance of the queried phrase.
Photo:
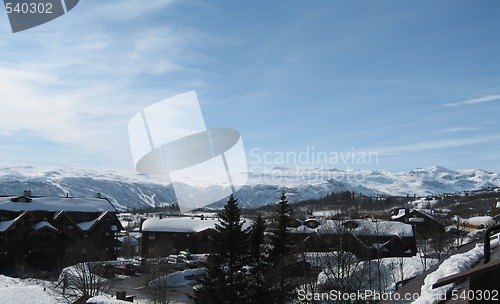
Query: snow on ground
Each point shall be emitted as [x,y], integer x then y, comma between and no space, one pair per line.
[34,291]
[180,278]
[105,300]
[29,291]
[454,264]
[390,270]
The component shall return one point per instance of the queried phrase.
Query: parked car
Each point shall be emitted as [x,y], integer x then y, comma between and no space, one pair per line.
[182,261]
[126,269]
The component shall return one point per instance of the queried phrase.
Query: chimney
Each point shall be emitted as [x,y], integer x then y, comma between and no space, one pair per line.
[98,195]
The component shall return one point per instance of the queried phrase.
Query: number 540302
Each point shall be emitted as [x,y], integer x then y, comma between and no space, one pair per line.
[28,8]
[475,295]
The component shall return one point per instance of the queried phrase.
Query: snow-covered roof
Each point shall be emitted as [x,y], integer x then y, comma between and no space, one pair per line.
[301,229]
[364,227]
[486,221]
[57,204]
[386,228]
[86,225]
[43,224]
[368,227]
[130,240]
[401,213]
[5,225]
[183,224]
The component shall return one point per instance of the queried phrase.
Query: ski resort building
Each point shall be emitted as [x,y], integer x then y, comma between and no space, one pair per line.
[367,239]
[162,237]
[425,221]
[36,231]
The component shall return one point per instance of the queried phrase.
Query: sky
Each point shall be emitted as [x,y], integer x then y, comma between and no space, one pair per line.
[306,83]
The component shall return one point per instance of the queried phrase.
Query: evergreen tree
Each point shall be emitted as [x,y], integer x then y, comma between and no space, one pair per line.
[226,280]
[281,255]
[258,262]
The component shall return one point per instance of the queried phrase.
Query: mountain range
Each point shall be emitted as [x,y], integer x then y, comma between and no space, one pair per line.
[129,189]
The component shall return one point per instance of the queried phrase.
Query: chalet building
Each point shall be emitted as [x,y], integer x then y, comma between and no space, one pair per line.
[36,231]
[426,223]
[162,237]
[128,246]
[367,239]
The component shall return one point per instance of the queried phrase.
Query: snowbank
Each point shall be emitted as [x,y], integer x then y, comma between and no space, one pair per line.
[454,264]
[16,291]
[383,274]
[180,278]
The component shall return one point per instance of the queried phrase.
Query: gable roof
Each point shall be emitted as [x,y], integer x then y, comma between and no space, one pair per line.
[7,225]
[44,225]
[87,226]
[62,214]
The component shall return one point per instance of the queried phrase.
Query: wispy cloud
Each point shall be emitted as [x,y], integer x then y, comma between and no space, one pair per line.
[437,144]
[484,99]
[457,129]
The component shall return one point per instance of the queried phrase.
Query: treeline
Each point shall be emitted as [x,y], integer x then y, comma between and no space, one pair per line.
[346,202]
[168,209]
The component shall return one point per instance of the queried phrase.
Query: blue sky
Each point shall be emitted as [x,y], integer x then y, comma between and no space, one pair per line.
[417,82]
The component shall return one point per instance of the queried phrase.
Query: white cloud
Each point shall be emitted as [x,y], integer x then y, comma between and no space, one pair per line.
[484,99]
[79,86]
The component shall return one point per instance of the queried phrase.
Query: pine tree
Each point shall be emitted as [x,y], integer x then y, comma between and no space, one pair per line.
[281,255]
[226,280]
[259,264]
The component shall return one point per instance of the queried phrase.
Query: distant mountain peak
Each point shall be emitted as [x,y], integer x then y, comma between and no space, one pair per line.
[129,189]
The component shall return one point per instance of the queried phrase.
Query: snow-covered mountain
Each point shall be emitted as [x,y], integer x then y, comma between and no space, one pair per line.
[131,189]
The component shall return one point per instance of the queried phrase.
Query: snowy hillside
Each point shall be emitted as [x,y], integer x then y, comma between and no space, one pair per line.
[131,189]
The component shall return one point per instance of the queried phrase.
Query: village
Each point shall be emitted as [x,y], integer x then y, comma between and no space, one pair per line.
[48,237]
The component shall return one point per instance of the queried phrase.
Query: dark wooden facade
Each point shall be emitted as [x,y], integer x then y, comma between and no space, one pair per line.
[39,238]
[162,244]
[426,225]
[163,237]
[347,236]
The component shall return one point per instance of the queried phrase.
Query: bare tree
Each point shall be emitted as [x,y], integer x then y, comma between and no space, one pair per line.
[156,280]
[86,275]
[340,265]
